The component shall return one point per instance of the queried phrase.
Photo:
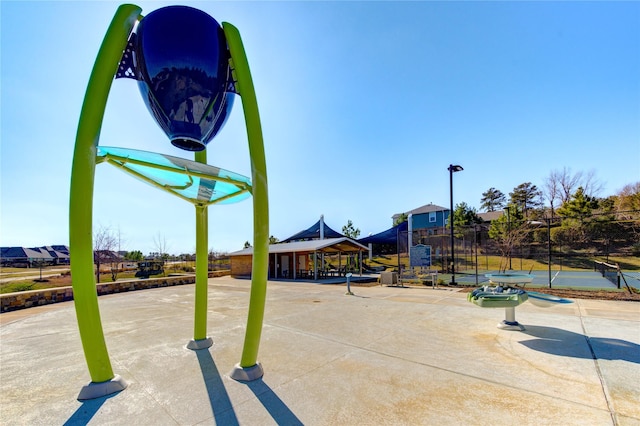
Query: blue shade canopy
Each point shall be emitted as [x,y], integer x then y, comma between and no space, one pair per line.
[313,233]
[390,236]
[184,74]
[198,183]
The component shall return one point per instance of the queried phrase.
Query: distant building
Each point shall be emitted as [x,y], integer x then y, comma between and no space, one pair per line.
[427,220]
[488,217]
[29,257]
[304,255]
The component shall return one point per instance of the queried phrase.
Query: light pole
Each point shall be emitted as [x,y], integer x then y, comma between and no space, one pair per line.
[452,169]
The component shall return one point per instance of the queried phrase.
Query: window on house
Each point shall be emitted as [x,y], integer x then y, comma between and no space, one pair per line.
[432,217]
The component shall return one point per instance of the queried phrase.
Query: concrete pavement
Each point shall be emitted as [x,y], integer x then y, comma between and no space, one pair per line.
[387,355]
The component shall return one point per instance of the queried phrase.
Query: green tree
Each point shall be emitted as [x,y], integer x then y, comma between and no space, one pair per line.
[349,231]
[526,196]
[492,200]
[400,219]
[273,240]
[134,256]
[352,232]
[577,214]
[580,206]
[463,216]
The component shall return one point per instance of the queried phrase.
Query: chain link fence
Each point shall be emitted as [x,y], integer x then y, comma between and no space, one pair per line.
[562,243]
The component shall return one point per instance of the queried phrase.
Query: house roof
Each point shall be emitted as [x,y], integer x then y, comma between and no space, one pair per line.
[328,245]
[490,216]
[427,208]
[24,253]
[61,252]
[106,255]
[313,232]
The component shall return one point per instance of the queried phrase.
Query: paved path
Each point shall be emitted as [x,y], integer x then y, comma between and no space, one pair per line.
[386,356]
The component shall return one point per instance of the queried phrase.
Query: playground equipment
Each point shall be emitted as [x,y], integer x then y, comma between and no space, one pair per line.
[502,295]
[189,68]
[150,267]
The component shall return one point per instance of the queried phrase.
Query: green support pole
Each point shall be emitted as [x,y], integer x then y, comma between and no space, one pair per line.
[249,368]
[104,382]
[200,339]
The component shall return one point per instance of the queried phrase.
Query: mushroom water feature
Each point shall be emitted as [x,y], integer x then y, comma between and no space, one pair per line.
[189,69]
[501,294]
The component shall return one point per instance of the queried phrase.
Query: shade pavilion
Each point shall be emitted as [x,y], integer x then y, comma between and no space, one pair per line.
[302,259]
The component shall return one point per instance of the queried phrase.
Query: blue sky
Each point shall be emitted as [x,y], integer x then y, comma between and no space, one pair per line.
[363,105]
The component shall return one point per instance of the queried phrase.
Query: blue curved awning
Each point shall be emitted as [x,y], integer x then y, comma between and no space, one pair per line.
[390,236]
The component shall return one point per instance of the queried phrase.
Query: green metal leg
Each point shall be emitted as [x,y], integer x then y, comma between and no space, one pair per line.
[200,339]
[249,368]
[85,297]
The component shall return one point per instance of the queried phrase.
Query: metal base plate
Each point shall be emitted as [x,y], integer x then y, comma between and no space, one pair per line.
[196,345]
[511,325]
[97,390]
[246,374]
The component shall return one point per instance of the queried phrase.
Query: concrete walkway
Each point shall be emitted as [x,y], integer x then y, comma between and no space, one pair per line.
[385,356]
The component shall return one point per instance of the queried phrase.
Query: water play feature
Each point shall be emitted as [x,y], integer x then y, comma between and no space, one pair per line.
[189,68]
[543,300]
[510,278]
[500,294]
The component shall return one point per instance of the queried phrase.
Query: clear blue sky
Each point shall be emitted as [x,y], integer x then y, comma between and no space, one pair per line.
[363,104]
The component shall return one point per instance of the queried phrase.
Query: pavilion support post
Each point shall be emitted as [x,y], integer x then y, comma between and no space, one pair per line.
[315,265]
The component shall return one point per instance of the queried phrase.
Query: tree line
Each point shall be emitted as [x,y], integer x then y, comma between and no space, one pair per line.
[581,217]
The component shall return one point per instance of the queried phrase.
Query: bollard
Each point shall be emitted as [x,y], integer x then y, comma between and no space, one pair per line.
[349,283]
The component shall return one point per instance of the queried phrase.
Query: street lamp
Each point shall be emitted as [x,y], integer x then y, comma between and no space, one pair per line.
[452,169]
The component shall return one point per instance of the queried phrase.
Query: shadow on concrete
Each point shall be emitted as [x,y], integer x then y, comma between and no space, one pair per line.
[87,410]
[218,397]
[278,410]
[560,342]
[361,297]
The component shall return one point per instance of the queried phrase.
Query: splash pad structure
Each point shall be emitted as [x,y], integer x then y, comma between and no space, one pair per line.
[501,295]
[189,68]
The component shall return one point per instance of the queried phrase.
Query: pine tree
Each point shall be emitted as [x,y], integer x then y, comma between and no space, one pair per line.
[492,200]
[526,196]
